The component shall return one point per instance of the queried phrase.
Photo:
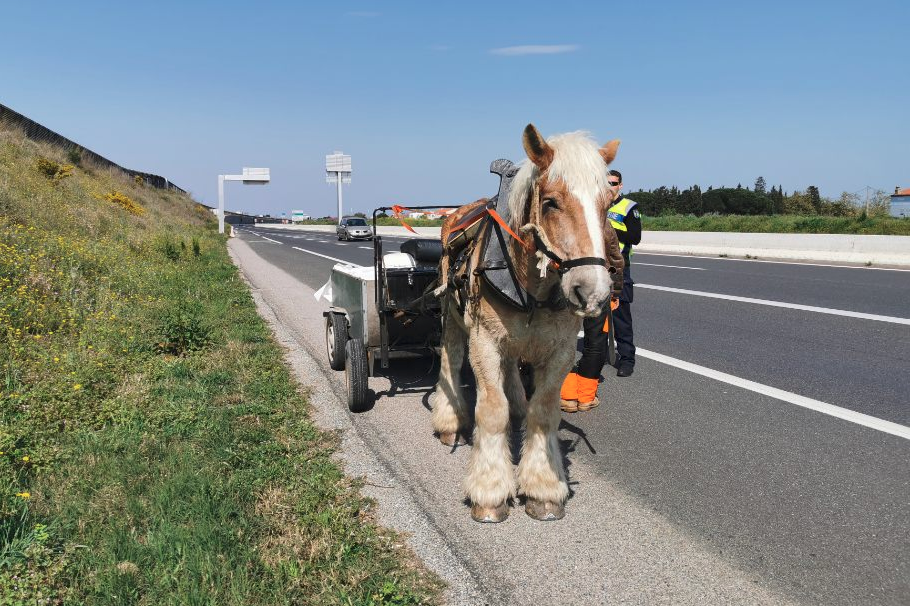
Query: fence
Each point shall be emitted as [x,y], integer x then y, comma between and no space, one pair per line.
[37,132]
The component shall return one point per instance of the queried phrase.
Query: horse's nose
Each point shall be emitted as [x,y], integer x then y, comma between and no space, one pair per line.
[580,299]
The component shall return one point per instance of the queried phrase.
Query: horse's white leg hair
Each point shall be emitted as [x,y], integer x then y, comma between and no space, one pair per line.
[541,474]
[450,412]
[490,481]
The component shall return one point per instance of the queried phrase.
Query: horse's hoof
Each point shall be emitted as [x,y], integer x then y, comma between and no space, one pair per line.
[545,511]
[451,438]
[490,515]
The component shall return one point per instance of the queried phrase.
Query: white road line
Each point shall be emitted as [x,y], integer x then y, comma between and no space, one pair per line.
[812,308]
[310,252]
[673,266]
[366,247]
[270,240]
[859,418]
[716,258]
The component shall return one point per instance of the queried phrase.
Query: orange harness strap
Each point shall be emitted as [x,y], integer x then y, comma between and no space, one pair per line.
[503,224]
[396,212]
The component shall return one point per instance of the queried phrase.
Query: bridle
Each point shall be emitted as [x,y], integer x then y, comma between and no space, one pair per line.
[544,250]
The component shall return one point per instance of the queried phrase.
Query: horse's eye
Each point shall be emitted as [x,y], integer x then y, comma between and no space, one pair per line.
[550,204]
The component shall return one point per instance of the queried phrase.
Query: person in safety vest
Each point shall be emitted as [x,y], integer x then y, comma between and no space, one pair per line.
[579,390]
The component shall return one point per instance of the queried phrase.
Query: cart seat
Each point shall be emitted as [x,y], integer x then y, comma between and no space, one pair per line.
[426,251]
[398,260]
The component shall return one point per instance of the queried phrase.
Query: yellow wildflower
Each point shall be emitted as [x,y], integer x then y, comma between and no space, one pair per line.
[26,458]
[24,495]
[77,386]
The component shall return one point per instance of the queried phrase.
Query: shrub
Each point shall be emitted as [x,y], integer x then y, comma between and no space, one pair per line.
[169,249]
[75,156]
[197,250]
[54,170]
[181,329]
[124,202]
[138,180]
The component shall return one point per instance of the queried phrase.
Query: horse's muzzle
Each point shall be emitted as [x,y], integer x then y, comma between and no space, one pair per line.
[587,288]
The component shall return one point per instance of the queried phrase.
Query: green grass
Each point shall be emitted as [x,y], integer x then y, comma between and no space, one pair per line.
[792,224]
[155,449]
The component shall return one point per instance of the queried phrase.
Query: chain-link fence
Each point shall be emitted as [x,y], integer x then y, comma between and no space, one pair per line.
[38,132]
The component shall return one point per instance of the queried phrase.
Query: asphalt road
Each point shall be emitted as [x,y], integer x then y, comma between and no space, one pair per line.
[800,505]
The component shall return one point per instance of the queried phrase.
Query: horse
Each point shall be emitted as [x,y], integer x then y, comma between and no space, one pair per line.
[567,259]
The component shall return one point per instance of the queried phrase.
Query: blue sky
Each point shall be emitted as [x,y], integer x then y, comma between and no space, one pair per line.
[424,95]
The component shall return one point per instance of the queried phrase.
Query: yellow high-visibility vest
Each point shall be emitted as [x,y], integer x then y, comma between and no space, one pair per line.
[617,215]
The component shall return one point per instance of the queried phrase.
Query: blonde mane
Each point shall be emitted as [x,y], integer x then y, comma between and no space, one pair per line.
[577,162]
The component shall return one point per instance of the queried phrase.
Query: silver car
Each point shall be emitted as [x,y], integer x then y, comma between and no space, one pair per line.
[354,228]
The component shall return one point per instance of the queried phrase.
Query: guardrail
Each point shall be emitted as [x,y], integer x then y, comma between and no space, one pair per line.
[39,132]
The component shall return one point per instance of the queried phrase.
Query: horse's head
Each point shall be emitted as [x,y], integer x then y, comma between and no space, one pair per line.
[569,174]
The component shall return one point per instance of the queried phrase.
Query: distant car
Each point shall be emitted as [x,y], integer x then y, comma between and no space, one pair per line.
[354,228]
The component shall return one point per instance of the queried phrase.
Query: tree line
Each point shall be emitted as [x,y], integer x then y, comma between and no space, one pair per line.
[758,200]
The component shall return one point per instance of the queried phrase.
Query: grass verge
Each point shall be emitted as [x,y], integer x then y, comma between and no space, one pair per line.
[153,447]
[783,224]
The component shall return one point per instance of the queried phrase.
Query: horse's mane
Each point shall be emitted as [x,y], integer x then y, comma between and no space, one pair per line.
[577,162]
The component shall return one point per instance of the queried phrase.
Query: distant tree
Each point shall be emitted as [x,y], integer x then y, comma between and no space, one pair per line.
[360,215]
[798,203]
[738,201]
[760,186]
[690,201]
[665,200]
[646,203]
[815,199]
[739,186]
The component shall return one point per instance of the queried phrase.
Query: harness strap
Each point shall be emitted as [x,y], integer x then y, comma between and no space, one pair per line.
[496,217]
[567,265]
[396,212]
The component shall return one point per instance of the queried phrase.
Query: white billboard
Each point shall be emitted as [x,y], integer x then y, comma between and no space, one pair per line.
[337,163]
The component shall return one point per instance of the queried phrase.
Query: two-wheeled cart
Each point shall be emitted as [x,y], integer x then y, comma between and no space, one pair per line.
[383,311]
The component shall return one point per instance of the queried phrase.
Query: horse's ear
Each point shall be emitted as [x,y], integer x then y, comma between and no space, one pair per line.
[540,153]
[608,151]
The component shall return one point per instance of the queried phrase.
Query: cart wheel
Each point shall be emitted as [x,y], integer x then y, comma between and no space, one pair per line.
[336,334]
[355,376]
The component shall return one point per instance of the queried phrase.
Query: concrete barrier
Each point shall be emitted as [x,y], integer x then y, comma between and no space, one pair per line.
[840,248]
[833,248]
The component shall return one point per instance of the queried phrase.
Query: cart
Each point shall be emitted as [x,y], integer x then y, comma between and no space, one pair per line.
[388,310]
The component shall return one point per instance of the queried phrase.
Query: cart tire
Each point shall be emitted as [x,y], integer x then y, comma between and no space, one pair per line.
[336,335]
[355,376]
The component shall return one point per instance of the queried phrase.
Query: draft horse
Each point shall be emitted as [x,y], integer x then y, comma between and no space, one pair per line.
[568,261]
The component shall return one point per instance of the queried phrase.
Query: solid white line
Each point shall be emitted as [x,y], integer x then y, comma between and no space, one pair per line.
[269,239]
[656,254]
[812,308]
[673,266]
[859,418]
[310,252]
[366,247]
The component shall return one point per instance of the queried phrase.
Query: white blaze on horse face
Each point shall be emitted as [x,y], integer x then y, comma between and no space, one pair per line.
[578,163]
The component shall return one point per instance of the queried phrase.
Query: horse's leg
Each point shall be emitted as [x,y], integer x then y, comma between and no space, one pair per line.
[541,475]
[516,393]
[490,482]
[451,417]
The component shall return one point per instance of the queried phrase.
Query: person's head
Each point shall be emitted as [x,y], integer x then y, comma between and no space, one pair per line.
[616,180]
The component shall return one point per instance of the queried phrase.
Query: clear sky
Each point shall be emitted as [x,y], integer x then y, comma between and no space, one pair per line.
[423,95]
